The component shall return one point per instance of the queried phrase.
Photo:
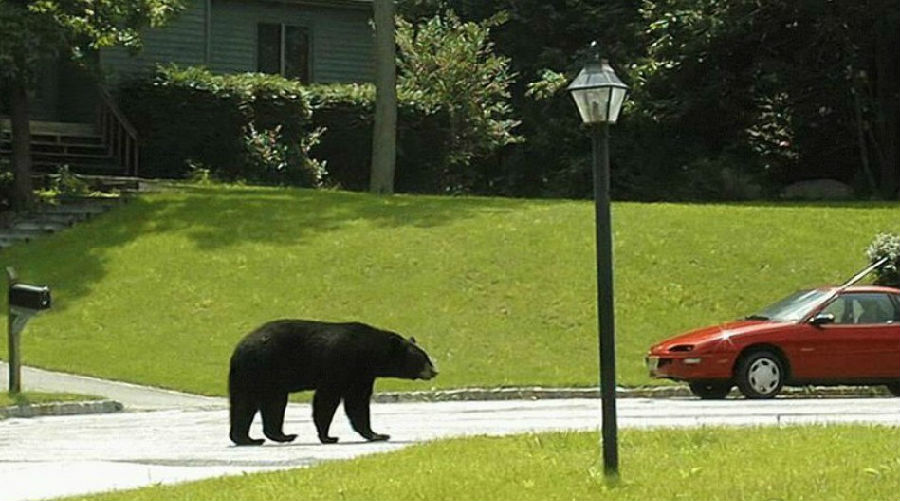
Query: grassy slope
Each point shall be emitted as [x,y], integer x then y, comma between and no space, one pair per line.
[822,463]
[500,291]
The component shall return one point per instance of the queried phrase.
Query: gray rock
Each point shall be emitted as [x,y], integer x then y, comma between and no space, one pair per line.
[818,189]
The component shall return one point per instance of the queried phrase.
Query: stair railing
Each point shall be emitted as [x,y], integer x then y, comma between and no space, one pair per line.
[118,134]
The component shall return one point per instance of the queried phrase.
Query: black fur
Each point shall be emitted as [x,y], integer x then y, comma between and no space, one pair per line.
[340,361]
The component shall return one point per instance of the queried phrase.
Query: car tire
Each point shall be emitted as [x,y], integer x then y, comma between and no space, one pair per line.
[760,374]
[894,388]
[710,391]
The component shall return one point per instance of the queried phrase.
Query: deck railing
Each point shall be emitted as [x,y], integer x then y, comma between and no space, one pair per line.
[118,134]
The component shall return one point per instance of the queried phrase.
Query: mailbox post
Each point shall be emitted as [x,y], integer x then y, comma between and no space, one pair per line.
[25,301]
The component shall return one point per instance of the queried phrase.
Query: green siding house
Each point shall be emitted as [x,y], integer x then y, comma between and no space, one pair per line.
[75,121]
[315,41]
[320,41]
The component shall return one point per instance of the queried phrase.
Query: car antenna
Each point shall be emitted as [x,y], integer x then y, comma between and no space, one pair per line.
[859,276]
[856,278]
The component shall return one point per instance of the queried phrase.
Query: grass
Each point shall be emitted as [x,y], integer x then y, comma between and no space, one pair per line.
[794,463]
[28,398]
[501,292]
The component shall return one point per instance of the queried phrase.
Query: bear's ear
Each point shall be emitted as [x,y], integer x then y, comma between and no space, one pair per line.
[412,340]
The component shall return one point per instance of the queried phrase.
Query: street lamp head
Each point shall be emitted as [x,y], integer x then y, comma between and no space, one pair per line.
[598,93]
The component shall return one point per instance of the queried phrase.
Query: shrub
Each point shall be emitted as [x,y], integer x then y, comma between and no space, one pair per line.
[450,65]
[264,128]
[345,114]
[886,245]
[245,126]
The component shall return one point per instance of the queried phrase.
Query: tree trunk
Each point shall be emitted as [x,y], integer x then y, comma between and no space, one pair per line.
[887,107]
[384,137]
[22,191]
[861,142]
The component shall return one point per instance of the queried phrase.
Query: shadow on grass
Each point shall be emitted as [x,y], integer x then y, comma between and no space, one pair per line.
[72,262]
[217,219]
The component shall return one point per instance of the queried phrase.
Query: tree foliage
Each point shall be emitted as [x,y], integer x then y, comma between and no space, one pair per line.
[450,65]
[29,39]
[810,86]
[724,95]
[36,33]
[728,99]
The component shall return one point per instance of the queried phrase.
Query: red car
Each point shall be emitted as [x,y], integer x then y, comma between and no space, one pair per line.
[826,336]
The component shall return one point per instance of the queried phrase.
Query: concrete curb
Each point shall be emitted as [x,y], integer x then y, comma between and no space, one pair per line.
[539,393]
[61,409]
[469,394]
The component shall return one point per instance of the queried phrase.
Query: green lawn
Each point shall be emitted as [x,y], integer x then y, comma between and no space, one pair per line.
[735,464]
[501,292]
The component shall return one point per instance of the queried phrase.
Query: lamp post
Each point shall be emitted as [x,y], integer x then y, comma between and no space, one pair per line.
[599,95]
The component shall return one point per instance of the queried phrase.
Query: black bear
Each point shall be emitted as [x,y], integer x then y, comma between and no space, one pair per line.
[337,360]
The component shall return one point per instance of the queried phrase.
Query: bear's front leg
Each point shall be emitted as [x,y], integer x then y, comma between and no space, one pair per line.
[356,404]
[325,403]
[242,409]
[272,406]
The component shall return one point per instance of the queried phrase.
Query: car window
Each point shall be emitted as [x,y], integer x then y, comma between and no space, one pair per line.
[868,308]
[793,307]
[841,309]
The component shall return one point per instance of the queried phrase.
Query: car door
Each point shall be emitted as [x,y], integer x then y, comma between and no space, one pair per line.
[817,352]
[863,342]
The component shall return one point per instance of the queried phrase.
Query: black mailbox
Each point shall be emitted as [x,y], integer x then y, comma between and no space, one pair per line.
[32,297]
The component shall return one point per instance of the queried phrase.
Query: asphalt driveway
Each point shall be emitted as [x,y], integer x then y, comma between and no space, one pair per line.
[56,456]
[176,437]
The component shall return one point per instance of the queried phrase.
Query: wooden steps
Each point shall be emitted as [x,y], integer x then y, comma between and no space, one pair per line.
[46,218]
[55,144]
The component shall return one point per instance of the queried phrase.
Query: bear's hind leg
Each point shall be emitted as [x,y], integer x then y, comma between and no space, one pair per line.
[243,408]
[325,403]
[356,404]
[272,408]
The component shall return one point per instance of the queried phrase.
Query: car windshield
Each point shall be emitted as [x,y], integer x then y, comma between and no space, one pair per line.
[793,307]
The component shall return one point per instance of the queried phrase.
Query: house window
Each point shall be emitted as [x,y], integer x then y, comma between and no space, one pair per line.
[283,50]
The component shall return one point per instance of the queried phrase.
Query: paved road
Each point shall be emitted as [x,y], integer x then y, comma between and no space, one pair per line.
[134,397]
[55,456]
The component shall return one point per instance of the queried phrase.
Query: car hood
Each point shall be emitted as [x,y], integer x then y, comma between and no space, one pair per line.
[719,332]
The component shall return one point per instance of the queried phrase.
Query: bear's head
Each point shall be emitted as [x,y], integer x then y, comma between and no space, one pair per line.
[410,361]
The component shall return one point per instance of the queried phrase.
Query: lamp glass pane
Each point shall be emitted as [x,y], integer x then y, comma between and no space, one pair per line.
[615,105]
[592,104]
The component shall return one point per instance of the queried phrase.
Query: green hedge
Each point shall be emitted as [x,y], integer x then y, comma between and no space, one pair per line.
[246,126]
[346,112]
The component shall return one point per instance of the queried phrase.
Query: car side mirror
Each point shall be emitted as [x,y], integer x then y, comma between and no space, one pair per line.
[822,319]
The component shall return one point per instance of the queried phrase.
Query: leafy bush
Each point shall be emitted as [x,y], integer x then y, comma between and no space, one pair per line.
[264,128]
[66,183]
[246,126]
[886,245]
[345,114]
[450,65]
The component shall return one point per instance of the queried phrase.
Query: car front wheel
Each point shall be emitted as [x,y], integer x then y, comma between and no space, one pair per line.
[760,375]
[710,391]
